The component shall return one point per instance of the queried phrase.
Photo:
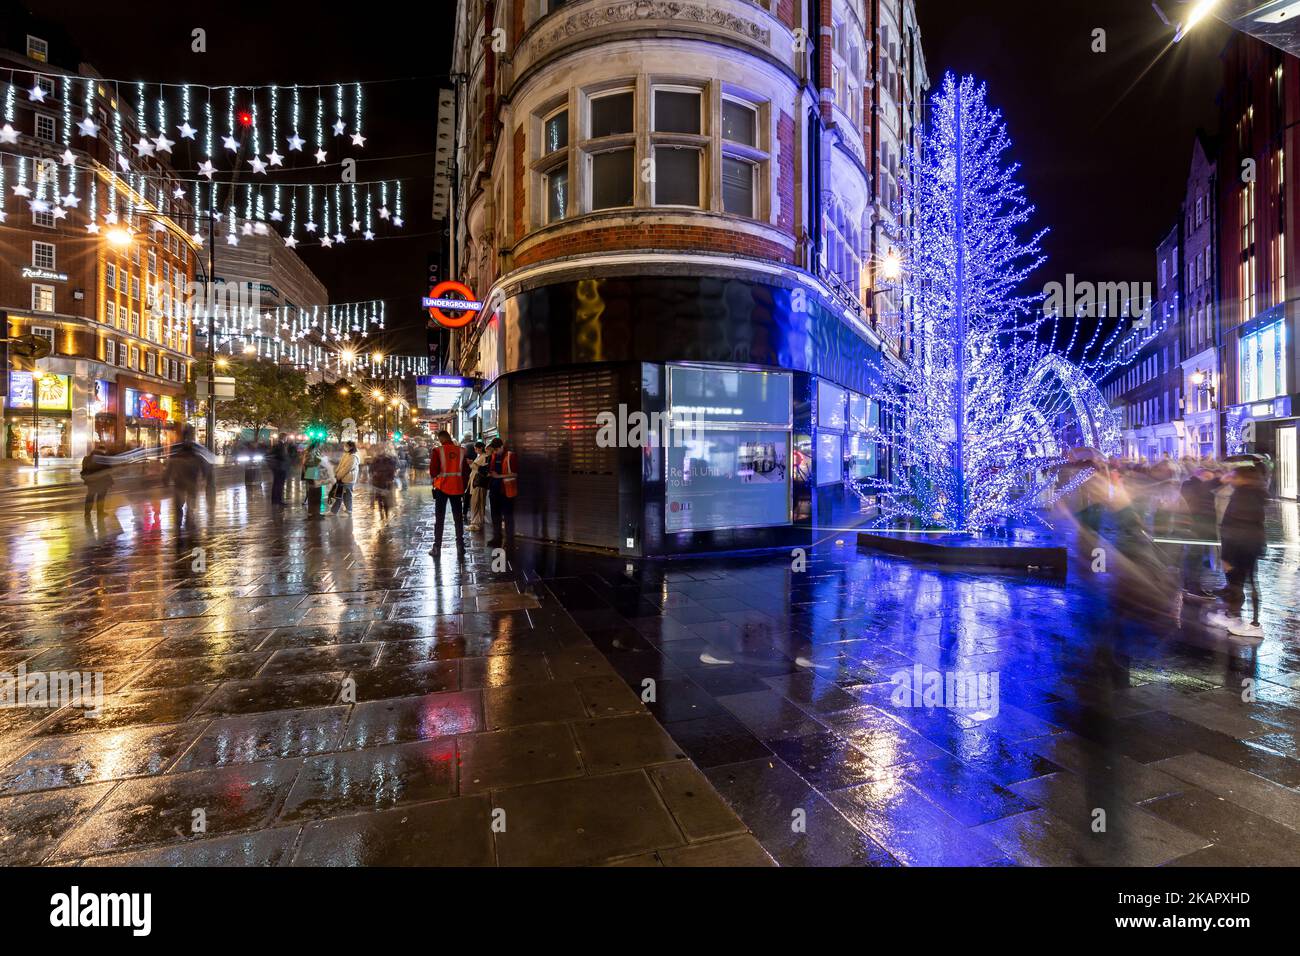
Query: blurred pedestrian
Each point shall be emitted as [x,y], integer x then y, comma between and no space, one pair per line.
[97,474]
[188,466]
[279,460]
[503,487]
[383,478]
[1244,543]
[403,463]
[478,485]
[346,474]
[450,473]
[1201,528]
[317,474]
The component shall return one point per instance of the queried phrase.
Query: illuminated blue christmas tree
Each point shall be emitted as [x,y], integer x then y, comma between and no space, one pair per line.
[977,414]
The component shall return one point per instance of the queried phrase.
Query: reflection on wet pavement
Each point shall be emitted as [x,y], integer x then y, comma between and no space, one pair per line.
[324,693]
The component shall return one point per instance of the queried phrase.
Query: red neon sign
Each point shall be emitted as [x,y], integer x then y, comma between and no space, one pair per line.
[149,408]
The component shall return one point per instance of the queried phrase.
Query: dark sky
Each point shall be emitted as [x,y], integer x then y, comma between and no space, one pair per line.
[1106,170]
[295,42]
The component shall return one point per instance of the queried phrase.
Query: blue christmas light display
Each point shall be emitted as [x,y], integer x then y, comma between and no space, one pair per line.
[981,412]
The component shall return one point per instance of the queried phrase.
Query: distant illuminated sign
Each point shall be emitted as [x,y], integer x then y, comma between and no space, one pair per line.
[463,302]
[49,275]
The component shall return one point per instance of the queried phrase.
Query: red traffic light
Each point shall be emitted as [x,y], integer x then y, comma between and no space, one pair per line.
[245,118]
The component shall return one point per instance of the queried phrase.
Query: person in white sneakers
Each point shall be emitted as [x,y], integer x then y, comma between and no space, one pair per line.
[1244,543]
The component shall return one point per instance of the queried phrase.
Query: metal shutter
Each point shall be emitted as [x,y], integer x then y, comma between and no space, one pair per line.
[568,487]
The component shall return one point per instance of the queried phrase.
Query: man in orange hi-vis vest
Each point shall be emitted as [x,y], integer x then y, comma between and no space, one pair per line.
[502,488]
[449,470]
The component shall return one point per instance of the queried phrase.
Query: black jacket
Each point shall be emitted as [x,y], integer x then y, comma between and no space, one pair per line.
[1243,522]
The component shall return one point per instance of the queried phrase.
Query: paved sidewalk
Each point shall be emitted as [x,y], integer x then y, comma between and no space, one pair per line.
[486,728]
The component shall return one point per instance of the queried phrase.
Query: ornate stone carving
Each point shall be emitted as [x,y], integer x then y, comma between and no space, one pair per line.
[634,11]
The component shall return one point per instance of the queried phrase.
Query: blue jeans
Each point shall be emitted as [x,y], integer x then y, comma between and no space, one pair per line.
[344,496]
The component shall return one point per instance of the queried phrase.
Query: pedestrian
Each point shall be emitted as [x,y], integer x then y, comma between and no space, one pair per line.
[503,487]
[1201,526]
[278,459]
[188,466]
[346,474]
[97,474]
[317,474]
[403,463]
[383,478]
[478,485]
[1244,543]
[449,471]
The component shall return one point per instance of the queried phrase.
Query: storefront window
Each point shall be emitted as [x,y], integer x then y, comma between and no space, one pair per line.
[1263,363]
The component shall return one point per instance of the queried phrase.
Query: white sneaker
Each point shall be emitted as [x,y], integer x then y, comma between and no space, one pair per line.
[1246,633]
[1222,621]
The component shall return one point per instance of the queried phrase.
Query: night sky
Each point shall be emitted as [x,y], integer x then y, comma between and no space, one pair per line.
[1106,170]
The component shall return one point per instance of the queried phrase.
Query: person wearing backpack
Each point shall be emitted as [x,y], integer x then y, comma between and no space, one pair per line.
[503,487]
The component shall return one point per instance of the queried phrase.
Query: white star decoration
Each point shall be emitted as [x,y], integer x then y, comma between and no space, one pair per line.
[88,127]
[232,239]
[207,169]
[340,238]
[197,237]
[178,193]
[122,163]
[72,200]
[22,190]
[247,228]
[144,147]
[276,215]
[186,130]
[320,155]
[8,134]
[383,212]
[295,143]
[92,228]
[397,221]
[290,241]
[68,157]
[111,219]
[274,158]
[358,139]
[310,226]
[261,228]
[162,143]
[356,226]
[258,165]
[60,212]
[339,127]
[368,234]
[230,143]
[326,242]
[36,94]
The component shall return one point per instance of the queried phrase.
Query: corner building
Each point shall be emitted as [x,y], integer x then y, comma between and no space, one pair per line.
[682,208]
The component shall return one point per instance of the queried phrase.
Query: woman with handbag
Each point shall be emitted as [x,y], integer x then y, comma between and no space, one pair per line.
[317,474]
[346,473]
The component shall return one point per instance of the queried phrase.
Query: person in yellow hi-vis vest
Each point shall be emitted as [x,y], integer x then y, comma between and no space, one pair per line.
[449,469]
[502,491]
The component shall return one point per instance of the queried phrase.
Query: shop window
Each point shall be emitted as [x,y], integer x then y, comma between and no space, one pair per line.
[43,255]
[676,179]
[42,298]
[612,179]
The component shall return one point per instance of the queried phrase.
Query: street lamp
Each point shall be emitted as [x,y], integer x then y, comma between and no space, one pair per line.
[892,266]
[1199,13]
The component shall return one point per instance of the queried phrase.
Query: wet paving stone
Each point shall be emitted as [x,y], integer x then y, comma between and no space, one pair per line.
[535,753]
[259,848]
[622,743]
[396,720]
[445,833]
[90,758]
[583,821]
[31,824]
[518,704]
[261,694]
[158,810]
[1244,833]
[377,778]
[237,740]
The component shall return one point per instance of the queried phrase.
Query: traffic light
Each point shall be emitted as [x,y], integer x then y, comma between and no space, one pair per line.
[245,118]
[397,436]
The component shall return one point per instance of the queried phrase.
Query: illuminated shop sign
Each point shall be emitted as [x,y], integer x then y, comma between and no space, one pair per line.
[34,272]
[54,392]
[101,398]
[144,405]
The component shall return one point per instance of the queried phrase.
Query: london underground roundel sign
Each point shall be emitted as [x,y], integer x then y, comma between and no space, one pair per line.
[462,301]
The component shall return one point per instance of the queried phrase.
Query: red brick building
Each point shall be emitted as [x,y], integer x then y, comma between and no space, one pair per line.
[93,258]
